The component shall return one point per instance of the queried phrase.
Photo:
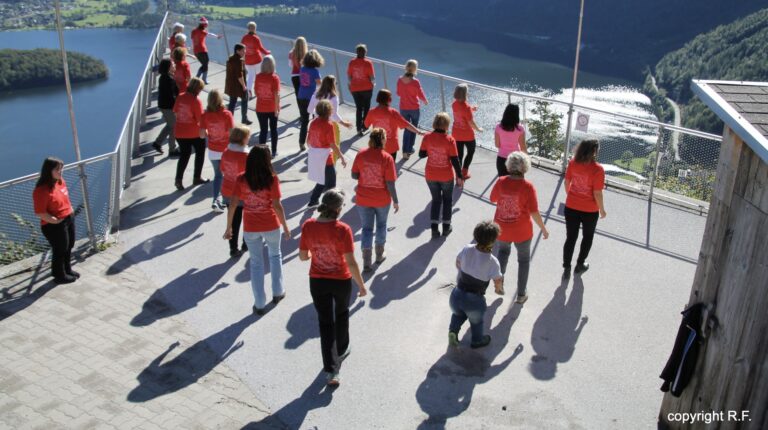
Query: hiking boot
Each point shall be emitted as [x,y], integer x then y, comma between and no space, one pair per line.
[580,268]
[447,229]
[367,256]
[380,255]
[453,339]
[483,342]
[179,186]
[435,231]
[345,354]
[277,299]
[333,379]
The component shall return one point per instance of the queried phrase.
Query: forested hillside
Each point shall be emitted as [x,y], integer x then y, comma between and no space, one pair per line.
[737,51]
[42,67]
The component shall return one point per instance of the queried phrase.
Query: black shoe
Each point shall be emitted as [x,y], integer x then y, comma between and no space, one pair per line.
[244,247]
[580,268]
[234,253]
[157,147]
[483,342]
[66,279]
[200,181]
[73,273]
[179,185]
[258,311]
[566,273]
[277,299]
[247,121]
[435,231]
[447,229]
[174,152]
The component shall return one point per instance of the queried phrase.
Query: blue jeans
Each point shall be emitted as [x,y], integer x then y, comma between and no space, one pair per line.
[330,182]
[369,216]
[409,137]
[218,178]
[442,195]
[255,242]
[467,306]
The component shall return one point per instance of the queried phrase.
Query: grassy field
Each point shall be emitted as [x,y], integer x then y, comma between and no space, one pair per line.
[636,165]
[101,20]
[233,12]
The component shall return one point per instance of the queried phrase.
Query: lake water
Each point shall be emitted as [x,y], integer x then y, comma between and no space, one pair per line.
[35,123]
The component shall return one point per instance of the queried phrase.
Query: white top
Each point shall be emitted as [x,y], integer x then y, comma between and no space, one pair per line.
[481,265]
[335,117]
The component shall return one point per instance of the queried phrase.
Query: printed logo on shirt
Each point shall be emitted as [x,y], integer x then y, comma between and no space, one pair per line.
[257,202]
[358,74]
[264,89]
[371,175]
[580,185]
[324,258]
[217,132]
[305,79]
[229,169]
[64,191]
[184,114]
[509,209]
[438,157]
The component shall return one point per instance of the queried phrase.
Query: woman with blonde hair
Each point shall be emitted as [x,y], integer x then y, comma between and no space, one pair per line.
[182,73]
[323,151]
[464,127]
[267,91]
[329,244]
[296,56]
[189,112]
[254,52]
[232,166]
[215,125]
[309,79]
[375,172]
[410,92]
[516,203]
[439,148]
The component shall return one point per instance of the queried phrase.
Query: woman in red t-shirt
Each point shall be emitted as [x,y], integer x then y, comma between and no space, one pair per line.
[263,215]
[516,203]
[178,28]
[51,204]
[361,81]
[182,72]
[410,92]
[201,49]
[375,172]
[584,183]
[267,91]
[254,52]
[440,150]
[390,120]
[215,124]
[232,166]
[464,127]
[323,149]
[189,111]
[329,243]
[296,56]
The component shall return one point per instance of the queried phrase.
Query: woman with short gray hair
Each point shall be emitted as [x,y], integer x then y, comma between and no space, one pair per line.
[254,53]
[516,203]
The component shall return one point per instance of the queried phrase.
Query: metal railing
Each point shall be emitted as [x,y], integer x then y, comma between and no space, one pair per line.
[106,176]
[658,160]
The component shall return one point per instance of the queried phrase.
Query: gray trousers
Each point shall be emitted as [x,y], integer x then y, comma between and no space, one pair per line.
[167,131]
[504,249]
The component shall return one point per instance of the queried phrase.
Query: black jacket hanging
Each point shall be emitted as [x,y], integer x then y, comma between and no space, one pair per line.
[682,362]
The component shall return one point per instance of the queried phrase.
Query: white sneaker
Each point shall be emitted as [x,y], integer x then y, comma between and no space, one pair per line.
[216,208]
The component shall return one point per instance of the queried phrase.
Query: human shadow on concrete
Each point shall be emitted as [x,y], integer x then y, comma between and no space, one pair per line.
[447,390]
[183,293]
[422,222]
[302,325]
[403,278]
[12,302]
[557,330]
[149,161]
[165,242]
[160,378]
[291,416]
[145,210]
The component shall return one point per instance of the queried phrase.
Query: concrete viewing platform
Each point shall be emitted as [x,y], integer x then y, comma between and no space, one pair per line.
[158,333]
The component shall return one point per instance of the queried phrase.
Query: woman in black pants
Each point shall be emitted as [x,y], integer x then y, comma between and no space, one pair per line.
[329,243]
[584,183]
[189,111]
[52,206]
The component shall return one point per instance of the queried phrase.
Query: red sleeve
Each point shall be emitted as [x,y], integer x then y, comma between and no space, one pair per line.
[330,135]
[260,47]
[230,119]
[356,164]
[204,120]
[349,68]
[348,241]
[198,111]
[453,152]
[369,119]
[390,173]
[177,103]
[569,171]
[276,83]
[400,121]
[533,201]
[598,179]
[304,239]
[425,142]
[399,87]
[468,112]
[421,91]
[40,200]
[238,190]
[495,191]
[371,70]
[187,71]
[274,190]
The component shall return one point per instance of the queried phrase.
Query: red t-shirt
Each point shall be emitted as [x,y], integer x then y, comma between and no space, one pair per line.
[182,75]
[232,165]
[189,110]
[172,41]
[390,120]
[258,211]
[515,201]
[410,94]
[462,115]
[53,201]
[198,40]
[440,149]
[328,242]
[321,135]
[218,125]
[361,71]
[295,65]
[253,49]
[375,168]
[585,178]
[266,87]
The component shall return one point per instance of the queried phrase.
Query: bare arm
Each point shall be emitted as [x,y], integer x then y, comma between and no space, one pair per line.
[474,126]
[281,217]
[540,222]
[304,254]
[338,154]
[355,269]
[521,142]
[498,286]
[599,199]
[496,139]
[50,219]
[203,133]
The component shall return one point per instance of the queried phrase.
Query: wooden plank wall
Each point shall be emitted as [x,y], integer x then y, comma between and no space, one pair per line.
[732,274]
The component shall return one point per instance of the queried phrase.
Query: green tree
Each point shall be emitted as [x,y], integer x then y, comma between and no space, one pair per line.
[626,158]
[545,131]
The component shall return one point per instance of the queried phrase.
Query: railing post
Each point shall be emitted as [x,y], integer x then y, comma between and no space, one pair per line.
[113,210]
[567,138]
[338,78]
[384,74]
[226,42]
[655,173]
[523,111]
[442,92]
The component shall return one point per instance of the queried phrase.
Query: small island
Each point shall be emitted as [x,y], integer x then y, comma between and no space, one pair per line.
[22,69]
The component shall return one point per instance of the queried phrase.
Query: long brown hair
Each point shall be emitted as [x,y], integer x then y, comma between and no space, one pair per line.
[46,172]
[327,88]
[586,151]
[259,173]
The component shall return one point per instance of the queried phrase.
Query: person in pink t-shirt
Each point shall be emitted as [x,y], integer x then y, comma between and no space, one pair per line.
[410,92]
[509,137]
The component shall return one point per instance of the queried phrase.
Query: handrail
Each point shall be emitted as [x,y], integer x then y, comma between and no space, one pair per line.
[68,166]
